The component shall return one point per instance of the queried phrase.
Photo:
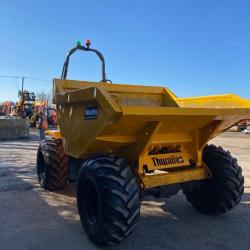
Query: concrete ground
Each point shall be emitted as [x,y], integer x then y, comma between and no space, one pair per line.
[32,218]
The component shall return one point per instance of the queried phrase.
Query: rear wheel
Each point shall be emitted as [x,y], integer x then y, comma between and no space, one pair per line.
[108,200]
[224,190]
[52,165]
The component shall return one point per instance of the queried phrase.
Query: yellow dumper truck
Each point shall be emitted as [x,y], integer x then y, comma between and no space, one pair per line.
[120,142]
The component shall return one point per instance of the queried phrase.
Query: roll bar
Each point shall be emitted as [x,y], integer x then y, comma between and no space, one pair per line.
[84,48]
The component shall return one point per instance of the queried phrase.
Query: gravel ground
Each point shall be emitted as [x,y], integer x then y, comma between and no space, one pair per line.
[32,218]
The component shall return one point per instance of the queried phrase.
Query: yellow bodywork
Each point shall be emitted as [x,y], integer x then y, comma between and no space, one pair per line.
[160,135]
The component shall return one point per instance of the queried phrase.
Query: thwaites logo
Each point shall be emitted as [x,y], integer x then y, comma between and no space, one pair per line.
[90,113]
[172,160]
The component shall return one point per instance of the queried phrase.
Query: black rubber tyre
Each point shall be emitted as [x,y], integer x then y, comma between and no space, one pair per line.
[108,200]
[224,190]
[52,165]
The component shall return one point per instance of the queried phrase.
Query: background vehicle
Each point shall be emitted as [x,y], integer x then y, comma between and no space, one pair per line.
[5,107]
[242,125]
[24,107]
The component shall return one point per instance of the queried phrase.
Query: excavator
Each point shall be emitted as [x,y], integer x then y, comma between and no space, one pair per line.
[24,107]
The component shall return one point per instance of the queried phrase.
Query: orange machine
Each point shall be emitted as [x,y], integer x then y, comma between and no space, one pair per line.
[5,108]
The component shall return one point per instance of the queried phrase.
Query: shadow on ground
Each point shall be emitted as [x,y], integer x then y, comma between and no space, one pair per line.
[32,218]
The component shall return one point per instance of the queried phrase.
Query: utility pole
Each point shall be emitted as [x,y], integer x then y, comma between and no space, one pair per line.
[22,83]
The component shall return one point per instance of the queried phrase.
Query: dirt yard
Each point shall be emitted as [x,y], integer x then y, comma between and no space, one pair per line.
[32,218]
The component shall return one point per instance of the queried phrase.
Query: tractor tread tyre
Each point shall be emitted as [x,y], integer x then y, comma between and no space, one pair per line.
[224,190]
[117,199]
[52,165]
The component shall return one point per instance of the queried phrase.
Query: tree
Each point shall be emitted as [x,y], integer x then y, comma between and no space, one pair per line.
[43,96]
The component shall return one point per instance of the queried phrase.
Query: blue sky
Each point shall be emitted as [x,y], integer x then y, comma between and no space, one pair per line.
[192,47]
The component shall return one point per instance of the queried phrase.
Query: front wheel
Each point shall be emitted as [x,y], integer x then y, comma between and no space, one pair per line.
[224,190]
[108,200]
